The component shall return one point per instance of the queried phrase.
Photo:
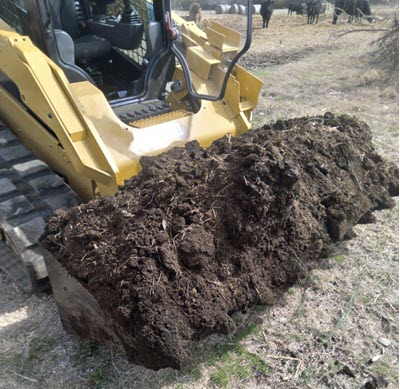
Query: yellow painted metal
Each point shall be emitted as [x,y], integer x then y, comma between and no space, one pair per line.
[46,91]
[222,38]
[200,61]
[79,135]
[191,32]
[205,59]
[116,136]
[44,145]
[178,114]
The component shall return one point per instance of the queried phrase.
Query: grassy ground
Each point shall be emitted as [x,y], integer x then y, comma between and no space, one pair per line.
[338,329]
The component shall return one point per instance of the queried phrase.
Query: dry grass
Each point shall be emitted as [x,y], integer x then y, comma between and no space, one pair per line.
[327,332]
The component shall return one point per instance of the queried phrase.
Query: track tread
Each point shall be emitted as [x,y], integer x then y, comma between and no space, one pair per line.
[30,192]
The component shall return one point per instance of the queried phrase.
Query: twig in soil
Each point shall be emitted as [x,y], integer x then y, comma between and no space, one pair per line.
[391,306]
[330,182]
[362,30]
[317,119]
[152,198]
[264,336]
[112,359]
[303,296]
[25,378]
[225,187]
[377,282]
[278,356]
[354,175]
[348,306]
[205,221]
[300,361]
[296,375]
[213,282]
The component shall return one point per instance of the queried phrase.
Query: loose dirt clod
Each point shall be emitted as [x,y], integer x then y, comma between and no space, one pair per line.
[200,234]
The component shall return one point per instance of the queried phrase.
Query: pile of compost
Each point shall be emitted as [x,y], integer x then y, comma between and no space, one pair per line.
[202,233]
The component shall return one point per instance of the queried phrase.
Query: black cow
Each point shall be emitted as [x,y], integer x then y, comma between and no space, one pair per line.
[313,11]
[195,13]
[299,8]
[354,8]
[266,11]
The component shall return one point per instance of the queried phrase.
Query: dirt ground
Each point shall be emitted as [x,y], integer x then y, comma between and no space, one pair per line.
[339,328]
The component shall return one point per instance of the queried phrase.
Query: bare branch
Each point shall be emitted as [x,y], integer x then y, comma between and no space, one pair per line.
[362,30]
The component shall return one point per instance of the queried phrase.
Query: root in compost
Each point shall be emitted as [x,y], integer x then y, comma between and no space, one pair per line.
[202,233]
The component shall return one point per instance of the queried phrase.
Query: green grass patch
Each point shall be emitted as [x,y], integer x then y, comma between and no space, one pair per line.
[385,369]
[235,361]
[191,371]
[301,312]
[360,108]
[239,364]
[11,359]
[260,308]
[366,300]
[264,73]
[230,359]
[393,130]
[220,378]
[311,370]
[245,330]
[339,258]
[99,377]
[291,291]
[87,350]
[334,368]
[38,346]
[347,309]
[196,374]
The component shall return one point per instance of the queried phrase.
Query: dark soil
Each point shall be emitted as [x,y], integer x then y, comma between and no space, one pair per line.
[201,234]
[256,60]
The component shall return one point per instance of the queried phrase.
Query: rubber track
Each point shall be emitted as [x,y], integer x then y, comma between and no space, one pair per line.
[30,192]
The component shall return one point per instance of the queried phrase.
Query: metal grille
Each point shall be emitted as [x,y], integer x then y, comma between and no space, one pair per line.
[9,12]
[146,14]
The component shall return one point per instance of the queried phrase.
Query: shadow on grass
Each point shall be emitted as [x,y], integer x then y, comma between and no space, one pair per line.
[228,359]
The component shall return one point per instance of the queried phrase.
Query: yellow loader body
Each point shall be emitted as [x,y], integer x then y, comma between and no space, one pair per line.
[75,131]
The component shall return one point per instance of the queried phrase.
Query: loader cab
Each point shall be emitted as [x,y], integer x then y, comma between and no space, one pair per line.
[106,42]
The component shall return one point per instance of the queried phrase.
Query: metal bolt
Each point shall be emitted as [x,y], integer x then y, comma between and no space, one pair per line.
[176,86]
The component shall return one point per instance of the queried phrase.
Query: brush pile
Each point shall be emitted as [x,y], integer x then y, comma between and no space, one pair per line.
[386,56]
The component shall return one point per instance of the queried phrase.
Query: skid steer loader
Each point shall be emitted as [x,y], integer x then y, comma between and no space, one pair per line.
[86,89]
